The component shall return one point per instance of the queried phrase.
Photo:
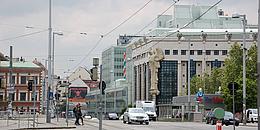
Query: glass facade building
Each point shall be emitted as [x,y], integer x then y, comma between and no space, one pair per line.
[167,81]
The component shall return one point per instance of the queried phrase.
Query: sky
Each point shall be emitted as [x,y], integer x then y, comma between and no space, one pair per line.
[94,17]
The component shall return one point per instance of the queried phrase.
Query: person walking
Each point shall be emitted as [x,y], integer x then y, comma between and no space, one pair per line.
[75,111]
[80,114]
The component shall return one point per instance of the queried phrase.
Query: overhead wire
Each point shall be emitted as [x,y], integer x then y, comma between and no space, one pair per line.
[106,34]
[186,25]
[175,1]
[109,32]
[24,35]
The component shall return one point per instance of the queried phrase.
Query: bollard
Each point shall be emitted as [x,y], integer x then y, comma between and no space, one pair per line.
[37,120]
[19,120]
[28,120]
[219,125]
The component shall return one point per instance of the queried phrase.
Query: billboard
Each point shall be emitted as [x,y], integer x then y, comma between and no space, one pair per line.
[77,94]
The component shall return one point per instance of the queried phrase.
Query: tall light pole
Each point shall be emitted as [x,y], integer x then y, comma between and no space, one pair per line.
[189,98]
[48,117]
[258,66]
[244,63]
[52,83]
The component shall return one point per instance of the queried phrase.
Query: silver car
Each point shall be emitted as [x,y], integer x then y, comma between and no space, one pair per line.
[135,115]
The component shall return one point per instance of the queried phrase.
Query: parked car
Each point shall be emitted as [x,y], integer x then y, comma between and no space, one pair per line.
[210,118]
[135,115]
[252,115]
[112,116]
[228,119]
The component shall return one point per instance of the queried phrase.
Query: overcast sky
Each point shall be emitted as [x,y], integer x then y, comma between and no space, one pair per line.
[95,17]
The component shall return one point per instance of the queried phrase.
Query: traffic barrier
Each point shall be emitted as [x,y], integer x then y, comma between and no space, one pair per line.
[219,125]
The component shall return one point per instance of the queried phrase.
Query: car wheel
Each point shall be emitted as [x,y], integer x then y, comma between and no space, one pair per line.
[124,120]
[207,122]
[141,123]
[237,124]
[212,122]
[252,120]
[128,121]
[147,123]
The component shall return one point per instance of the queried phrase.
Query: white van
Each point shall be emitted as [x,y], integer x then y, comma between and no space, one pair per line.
[252,115]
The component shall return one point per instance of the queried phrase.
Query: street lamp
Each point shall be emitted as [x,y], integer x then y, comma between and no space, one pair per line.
[244,63]
[52,83]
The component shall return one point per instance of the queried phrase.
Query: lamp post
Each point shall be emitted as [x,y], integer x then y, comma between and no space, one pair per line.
[52,83]
[48,117]
[244,63]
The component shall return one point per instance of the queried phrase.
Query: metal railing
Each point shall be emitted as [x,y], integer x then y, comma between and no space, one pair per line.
[21,119]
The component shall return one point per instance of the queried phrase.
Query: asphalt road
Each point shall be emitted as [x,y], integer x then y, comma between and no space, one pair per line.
[118,125]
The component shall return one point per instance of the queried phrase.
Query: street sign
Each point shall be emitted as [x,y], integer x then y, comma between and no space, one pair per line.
[230,86]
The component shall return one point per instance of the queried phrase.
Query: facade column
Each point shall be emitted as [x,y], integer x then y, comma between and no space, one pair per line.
[203,63]
[138,83]
[147,82]
[179,79]
[142,82]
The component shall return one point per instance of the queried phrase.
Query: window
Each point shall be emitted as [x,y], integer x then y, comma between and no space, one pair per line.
[23,79]
[183,52]
[198,64]
[208,52]
[32,95]
[216,52]
[23,96]
[11,95]
[1,96]
[216,45]
[191,52]
[191,44]
[224,52]
[13,79]
[167,52]
[175,52]
[199,52]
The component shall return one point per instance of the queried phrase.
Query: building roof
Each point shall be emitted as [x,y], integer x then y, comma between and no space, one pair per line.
[19,64]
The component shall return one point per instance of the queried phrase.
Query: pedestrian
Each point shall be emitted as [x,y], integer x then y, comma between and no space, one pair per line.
[80,114]
[75,111]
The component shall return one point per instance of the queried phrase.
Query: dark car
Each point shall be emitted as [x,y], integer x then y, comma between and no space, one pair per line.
[228,119]
[210,118]
[112,116]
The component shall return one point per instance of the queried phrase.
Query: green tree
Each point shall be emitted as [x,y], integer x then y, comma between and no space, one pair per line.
[233,73]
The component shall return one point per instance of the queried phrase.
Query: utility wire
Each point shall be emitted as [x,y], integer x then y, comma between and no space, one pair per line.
[109,32]
[127,19]
[156,18]
[24,35]
[186,25]
[92,49]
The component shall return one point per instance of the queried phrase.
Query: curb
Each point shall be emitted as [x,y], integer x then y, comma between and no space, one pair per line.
[39,128]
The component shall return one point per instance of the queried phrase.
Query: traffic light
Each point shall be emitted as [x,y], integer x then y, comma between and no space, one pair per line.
[94,73]
[103,87]
[30,85]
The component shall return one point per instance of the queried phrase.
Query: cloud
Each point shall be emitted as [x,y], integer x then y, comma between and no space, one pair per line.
[96,17]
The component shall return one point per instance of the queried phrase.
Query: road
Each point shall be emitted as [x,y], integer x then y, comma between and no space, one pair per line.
[92,124]
[118,125]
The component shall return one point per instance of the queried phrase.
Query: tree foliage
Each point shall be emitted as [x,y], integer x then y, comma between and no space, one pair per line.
[232,72]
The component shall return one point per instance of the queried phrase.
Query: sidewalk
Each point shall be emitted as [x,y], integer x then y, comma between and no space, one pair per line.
[39,123]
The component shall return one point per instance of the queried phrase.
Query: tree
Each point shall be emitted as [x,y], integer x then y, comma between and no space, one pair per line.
[233,73]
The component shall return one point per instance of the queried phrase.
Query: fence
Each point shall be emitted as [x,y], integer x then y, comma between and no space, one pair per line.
[19,119]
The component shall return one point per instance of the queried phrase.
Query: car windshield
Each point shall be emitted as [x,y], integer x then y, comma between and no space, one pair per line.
[151,109]
[254,111]
[136,110]
[112,114]
[228,114]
